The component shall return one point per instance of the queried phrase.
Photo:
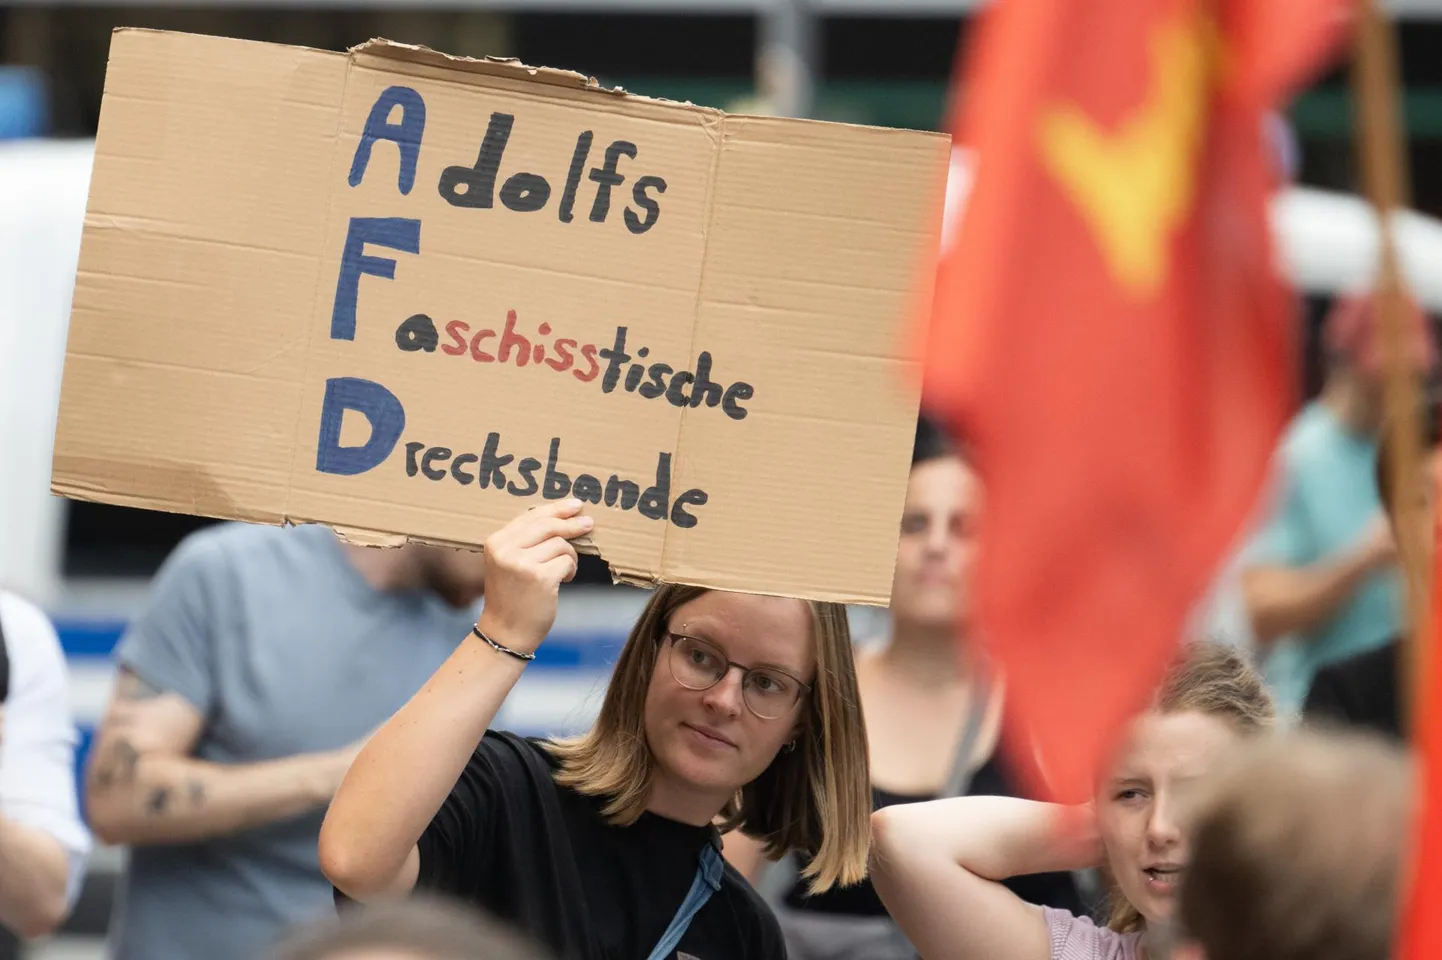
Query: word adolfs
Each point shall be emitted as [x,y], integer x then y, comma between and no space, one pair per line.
[474,186]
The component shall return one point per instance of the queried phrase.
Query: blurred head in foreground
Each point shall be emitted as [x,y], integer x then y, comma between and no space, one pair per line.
[1297,851]
[1211,699]
[416,929]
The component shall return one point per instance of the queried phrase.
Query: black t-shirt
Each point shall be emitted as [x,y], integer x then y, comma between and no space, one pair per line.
[543,858]
[1360,690]
[1057,890]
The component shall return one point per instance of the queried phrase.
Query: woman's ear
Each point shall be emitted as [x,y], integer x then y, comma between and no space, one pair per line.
[800,727]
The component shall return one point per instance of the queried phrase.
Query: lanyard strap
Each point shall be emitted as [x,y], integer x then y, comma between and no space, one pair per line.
[707,882]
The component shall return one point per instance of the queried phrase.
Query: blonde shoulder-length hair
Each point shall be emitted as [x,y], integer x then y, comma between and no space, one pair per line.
[814,799]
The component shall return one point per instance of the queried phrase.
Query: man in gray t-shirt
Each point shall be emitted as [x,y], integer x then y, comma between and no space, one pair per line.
[262,660]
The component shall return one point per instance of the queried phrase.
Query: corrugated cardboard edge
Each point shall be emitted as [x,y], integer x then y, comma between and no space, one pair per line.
[382,539]
[364,537]
[489,66]
[369,538]
[504,67]
[116,31]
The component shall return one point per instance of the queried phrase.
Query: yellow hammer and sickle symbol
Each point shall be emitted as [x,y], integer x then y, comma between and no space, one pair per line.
[1134,186]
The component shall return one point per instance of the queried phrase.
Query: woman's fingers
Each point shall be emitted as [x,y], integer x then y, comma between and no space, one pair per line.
[560,519]
[549,549]
[562,568]
[526,561]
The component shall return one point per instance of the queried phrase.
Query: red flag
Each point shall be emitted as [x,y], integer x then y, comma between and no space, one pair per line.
[1110,334]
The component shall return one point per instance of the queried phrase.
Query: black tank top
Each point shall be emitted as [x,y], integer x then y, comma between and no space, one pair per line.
[1057,890]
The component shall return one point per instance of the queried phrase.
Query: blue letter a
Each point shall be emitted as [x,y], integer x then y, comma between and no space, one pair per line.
[406,134]
[380,406]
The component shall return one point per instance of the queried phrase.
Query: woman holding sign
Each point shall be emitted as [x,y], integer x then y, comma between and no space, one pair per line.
[725,710]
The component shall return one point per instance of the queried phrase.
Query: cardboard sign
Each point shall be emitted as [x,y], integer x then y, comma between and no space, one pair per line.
[411,296]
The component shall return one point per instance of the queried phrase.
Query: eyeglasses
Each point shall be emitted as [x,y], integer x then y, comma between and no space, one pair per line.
[698,665]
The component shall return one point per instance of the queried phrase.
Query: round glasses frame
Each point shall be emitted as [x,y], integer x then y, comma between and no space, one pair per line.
[802,689]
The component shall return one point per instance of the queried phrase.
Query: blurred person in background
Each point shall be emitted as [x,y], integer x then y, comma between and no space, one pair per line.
[1361,690]
[933,715]
[939,865]
[1321,581]
[1298,851]
[263,656]
[725,710]
[44,846]
[422,928]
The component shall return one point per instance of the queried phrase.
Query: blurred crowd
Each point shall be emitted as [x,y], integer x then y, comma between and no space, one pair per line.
[299,755]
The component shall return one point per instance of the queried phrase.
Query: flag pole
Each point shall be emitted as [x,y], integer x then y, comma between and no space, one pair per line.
[1384,180]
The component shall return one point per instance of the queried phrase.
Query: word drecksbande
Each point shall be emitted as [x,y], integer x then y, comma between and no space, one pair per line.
[489,469]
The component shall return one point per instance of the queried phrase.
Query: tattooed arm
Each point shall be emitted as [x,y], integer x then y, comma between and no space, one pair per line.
[143,786]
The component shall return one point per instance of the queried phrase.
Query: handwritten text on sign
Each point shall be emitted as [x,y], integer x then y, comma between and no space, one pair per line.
[628,367]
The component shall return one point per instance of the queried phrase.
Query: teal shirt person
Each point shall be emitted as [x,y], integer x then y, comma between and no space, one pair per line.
[1327,500]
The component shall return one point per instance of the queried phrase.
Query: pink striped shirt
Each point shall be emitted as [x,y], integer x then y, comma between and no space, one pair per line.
[1077,938]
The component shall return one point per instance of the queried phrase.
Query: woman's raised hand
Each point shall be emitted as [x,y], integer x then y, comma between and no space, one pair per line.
[527,560]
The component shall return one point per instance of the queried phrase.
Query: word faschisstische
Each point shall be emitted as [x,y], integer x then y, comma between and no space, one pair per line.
[681,388]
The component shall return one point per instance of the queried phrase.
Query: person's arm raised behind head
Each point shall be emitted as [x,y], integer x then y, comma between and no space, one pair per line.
[938,867]
[409,767]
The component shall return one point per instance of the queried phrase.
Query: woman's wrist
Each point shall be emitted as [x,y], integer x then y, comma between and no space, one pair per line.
[1078,840]
[525,656]
[494,631]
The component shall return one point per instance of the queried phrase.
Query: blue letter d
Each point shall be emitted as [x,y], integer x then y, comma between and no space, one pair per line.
[380,406]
